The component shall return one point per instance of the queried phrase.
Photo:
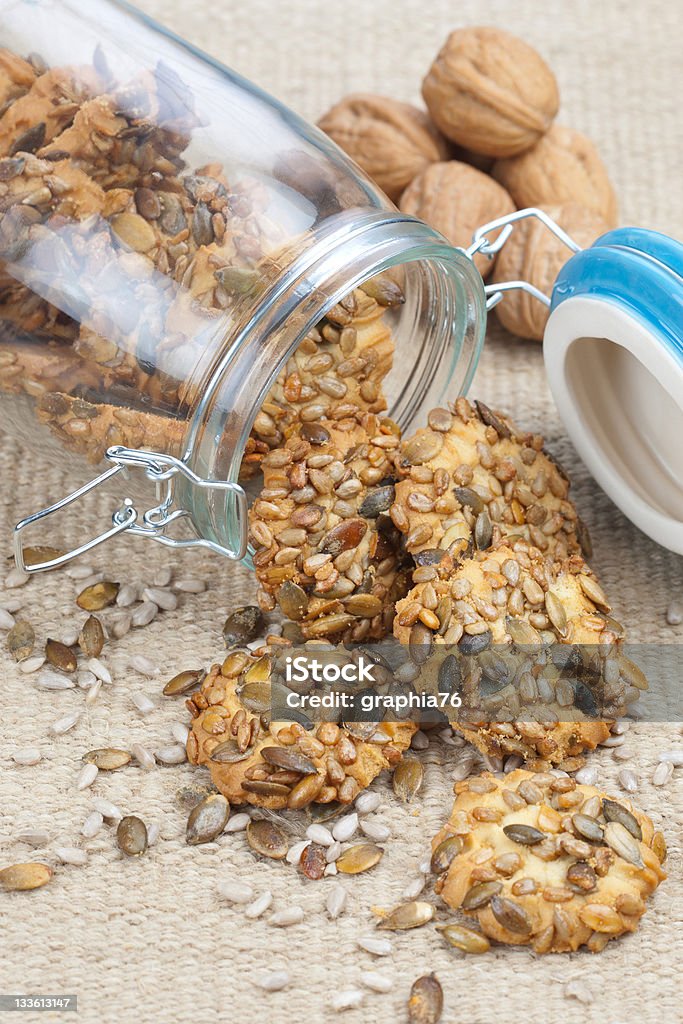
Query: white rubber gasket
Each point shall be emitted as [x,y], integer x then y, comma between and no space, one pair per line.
[619,392]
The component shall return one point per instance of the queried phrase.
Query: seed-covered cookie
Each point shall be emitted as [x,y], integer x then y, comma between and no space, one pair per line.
[540,860]
[472,479]
[510,611]
[16,78]
[326,552]
[46,109]
[281,764]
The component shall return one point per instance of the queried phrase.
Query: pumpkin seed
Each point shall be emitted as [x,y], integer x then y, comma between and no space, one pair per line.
[131,836]
[266,839]
[491,419]
[60,656]
[313,861]
[207,819]
[24,877]
[97,596]
[20,640]
[444,854]
[358,858]
[343,537]
[510,915]
[265,788]
[229,752]
[30,140]
[183,682]
[293,600]
[408,915]
[475,643]
[91,637]
[305,791]
[614,811]
[588,827]
[526,835]
[243,625]
[425,1004]
[480,894]
[108,759]
[378,500]
[256,696]
[289,759]
[407,778]
[465,939]
[469,499]
[41,553]
[483,531]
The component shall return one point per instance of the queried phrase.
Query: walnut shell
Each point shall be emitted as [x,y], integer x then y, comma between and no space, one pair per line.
[534,254]
[562,167]
[490,92]
[455,199]
[391,141]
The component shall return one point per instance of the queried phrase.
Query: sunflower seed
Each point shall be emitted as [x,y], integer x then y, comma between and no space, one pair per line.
[407,778]
[207,819]
[20,640]
[425,1004]
[180,733]
[347,999]
[144,614]
[87,776]
[578,989]
[267,839]
[71,855]
[333,852]
[191,585]
[295,851]
[375,830]
[359,858]
[674,756]
[285,918]
[320,835]
[24,877]
[131,836]
[235,892]
[614,811]
[662,773]
[237,822]
[63,725]
[93,692]
[259,906]
[587,776]
[107,809]
[376,945]
[143,703]
[26,756]
[16,578]
[622,842]
[107,759]
[674,613]
[119,625]
[97,596]
[465,939]
[273,981]
[6,619]
[33,837]
[613,741]
[366,803]
[161,597]
[92,824]
[345,827]
[183,682]
[628,780]
[79,572]
[32,664]
[173,754]
[127,595]
[145,666]
[48,679]
[414,888]
[376,982]
[407,916]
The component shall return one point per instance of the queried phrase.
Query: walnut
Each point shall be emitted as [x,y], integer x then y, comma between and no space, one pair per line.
[490,92]
[534,254]
[391,141]
[455,199]
[563,166]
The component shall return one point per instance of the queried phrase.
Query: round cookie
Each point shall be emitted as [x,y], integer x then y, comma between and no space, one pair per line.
[280,764]
[545,862]
[326,552]
[472,479]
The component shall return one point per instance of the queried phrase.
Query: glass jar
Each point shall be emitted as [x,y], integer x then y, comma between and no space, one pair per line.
[184,264]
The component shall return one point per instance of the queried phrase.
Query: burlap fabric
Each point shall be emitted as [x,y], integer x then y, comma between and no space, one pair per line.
[151,940]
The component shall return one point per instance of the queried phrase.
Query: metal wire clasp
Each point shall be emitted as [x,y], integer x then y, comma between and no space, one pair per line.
[481,244]
[162,470]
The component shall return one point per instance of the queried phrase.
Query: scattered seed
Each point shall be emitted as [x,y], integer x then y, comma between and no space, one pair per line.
[180,733]
[16,578]
[366,803]
[107,809]
[375,830]
[674,756]
[259,906]
[207,820]
[359,858]
[238,822]
[26,756]
[414,888]
[6,619]
[236,892]
[312,861]
[99,669]
[295,851]
[376,982]
[145,666]
[267,839]
[93,692]
[376,945]
[162,598]
[273,981]
[345,827]
[97,596]
[144,614]
[183,682]
[336,901]
[71,855]
[32,664]
[190,586]
[628,780]
[425,1004]
[407,916]
[320,835]
[20,640]
[332,853]
[33,837]
[92,824]
[24,877]
[465,939]
[674,613]
[577,989]
[79,572]
[87,776]
[107,759]
[348,999]
[407,778]
[662,773]
[62,725]
[143,703]
[285,918]
[48,679]
[173,754]
[131,836]
[162,577]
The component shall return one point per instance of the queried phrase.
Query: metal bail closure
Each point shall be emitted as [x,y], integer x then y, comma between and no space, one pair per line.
[481,244]
[160,468]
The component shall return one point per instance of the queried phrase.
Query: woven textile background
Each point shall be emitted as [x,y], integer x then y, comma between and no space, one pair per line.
[150,940]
